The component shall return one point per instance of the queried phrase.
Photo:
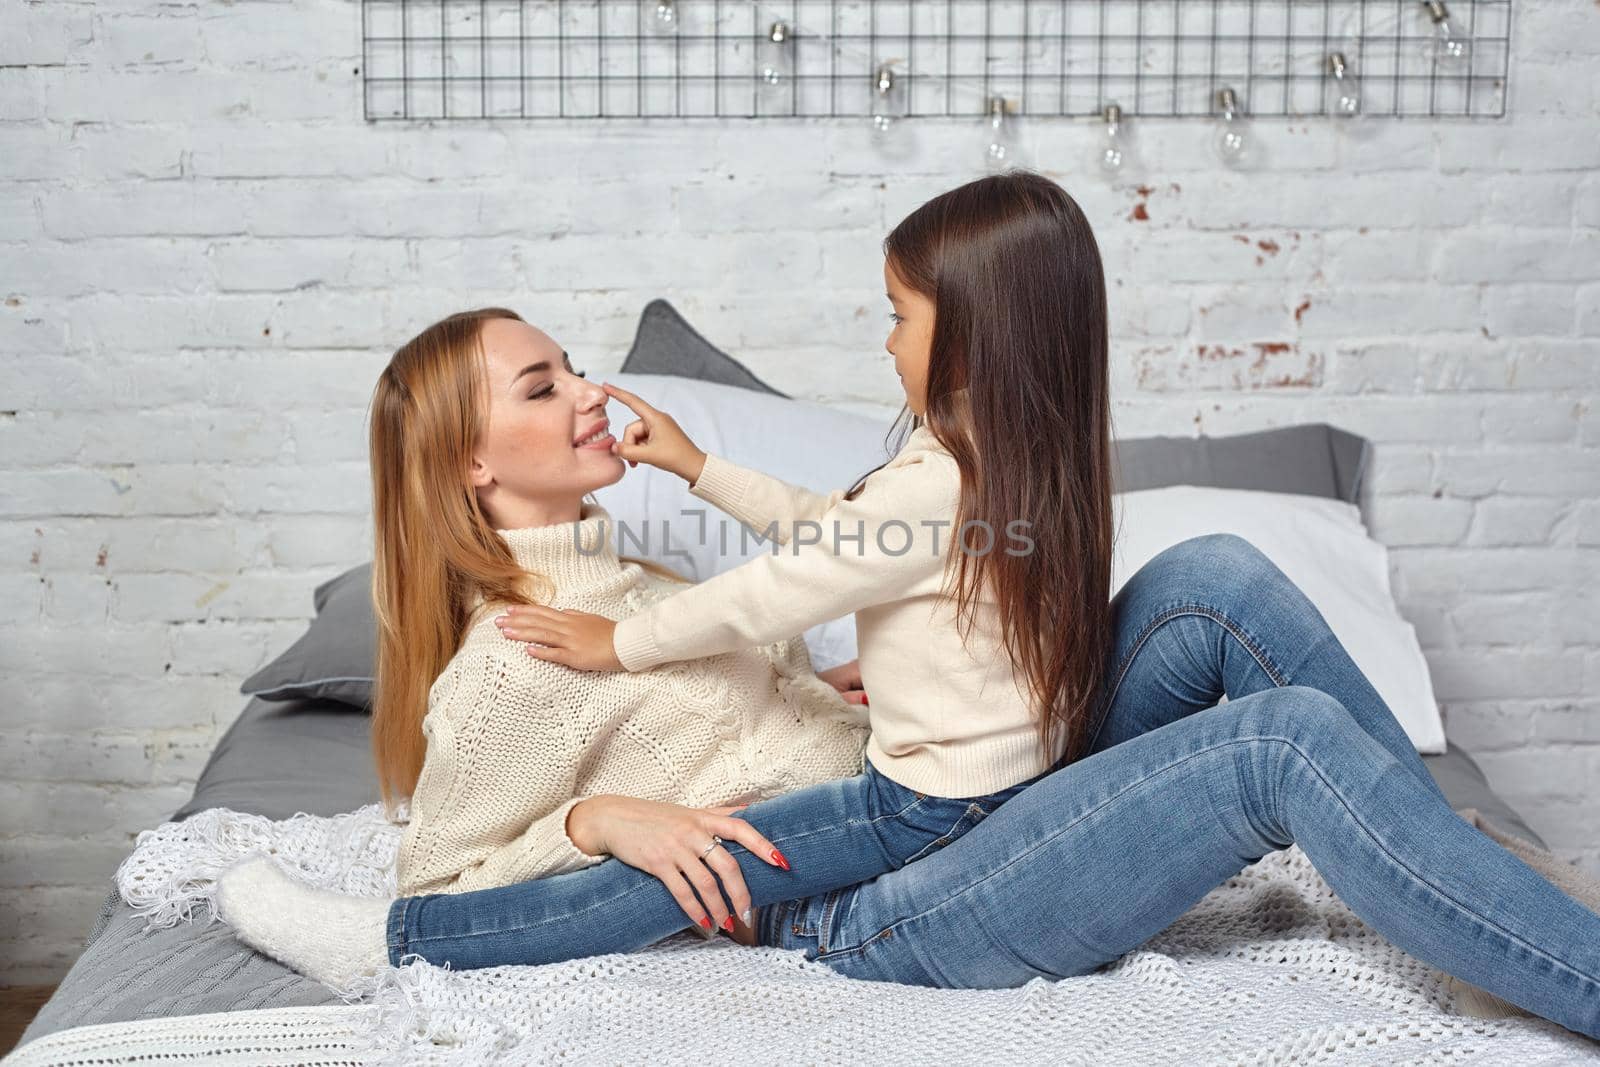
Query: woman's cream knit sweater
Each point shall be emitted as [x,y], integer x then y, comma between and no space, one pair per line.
[515,742]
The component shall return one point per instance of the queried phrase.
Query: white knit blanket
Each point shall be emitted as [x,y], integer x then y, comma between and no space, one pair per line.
[1270,967]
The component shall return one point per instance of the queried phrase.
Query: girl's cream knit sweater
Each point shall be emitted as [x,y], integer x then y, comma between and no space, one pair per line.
[514,742]
[947,719]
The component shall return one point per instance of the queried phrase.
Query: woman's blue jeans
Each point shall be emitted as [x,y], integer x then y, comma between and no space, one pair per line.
[1178,794]
[833,834]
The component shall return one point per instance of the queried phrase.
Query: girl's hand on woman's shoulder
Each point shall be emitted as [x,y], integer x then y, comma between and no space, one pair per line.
[670,841]
[574,639]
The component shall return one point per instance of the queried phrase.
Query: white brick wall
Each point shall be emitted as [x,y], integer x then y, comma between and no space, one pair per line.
[206,254]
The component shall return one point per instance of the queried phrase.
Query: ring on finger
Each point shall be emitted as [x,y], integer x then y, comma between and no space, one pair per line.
[715,841]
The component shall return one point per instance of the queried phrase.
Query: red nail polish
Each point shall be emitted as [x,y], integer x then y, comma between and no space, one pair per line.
[705,920]
[865,702]
[727,924]
[778,856]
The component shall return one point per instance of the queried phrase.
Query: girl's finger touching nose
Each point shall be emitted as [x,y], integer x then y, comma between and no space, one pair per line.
[639,406]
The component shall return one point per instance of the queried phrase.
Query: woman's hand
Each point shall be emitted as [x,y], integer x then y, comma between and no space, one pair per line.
[656,439]
[846,678]
[670,841]
[571,638]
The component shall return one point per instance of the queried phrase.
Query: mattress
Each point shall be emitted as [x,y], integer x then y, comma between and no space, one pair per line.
[313,756]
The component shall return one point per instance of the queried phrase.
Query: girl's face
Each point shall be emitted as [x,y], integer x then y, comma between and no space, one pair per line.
[547,442]
[910,339]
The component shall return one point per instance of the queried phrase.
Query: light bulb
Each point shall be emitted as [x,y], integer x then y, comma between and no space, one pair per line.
[888,99]
[997,156]
[776,55]
[1111,150]
[1447,44]
[1230,141]
[1343,87]
[666,20]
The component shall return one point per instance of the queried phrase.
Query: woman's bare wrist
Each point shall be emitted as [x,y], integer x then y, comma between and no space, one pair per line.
[581,828]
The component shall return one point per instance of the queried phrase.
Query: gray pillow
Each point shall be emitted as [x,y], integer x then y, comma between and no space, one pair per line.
[1311,458]
[666,344]
[336,657]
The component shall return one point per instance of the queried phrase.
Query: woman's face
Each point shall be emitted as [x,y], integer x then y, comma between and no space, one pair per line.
[910,339]
[547,442]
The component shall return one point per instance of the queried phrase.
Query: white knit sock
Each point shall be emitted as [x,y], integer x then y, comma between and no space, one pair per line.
[334,938]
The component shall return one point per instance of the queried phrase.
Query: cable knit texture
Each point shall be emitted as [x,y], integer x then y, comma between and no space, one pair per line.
[514,742]
[947,719]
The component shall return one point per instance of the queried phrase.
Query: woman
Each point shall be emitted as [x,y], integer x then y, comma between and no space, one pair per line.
[1178,792]
[528,769]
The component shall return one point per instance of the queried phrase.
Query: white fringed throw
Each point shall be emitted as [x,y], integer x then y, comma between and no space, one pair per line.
[1270,967]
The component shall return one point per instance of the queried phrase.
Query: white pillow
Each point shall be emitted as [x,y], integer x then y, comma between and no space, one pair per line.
[802,443]
[1319,543]
[1323,547]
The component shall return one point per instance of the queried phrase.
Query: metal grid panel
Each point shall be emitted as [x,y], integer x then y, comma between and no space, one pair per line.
[544,59]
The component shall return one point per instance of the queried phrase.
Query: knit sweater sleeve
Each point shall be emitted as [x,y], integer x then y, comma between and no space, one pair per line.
[759,500]
[894,535]
[497,750]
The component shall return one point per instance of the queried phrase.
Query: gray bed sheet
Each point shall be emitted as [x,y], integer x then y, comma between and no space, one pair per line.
[313,756]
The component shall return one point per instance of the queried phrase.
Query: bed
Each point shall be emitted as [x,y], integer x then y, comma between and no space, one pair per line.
[281,758]
[307,750]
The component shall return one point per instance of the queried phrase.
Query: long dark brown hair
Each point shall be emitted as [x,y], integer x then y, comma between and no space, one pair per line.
[1018,392]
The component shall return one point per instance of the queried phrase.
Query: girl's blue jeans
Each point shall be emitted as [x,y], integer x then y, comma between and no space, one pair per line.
[1178,794]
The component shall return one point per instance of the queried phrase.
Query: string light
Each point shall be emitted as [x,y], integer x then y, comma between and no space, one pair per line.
[778,54]
[997,156]
[889,99]
[1111,150]
[1447,44]
[1344,87]
[666,20]
[1230,141]
[1379,28]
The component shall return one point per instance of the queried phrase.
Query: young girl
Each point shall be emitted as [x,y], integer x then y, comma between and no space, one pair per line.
[1002,351]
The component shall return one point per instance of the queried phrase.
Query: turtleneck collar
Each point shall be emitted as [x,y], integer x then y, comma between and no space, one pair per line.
[555,552]
[922,439]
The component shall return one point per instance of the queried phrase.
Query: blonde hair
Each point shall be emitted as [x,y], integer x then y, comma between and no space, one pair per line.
[434,550]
